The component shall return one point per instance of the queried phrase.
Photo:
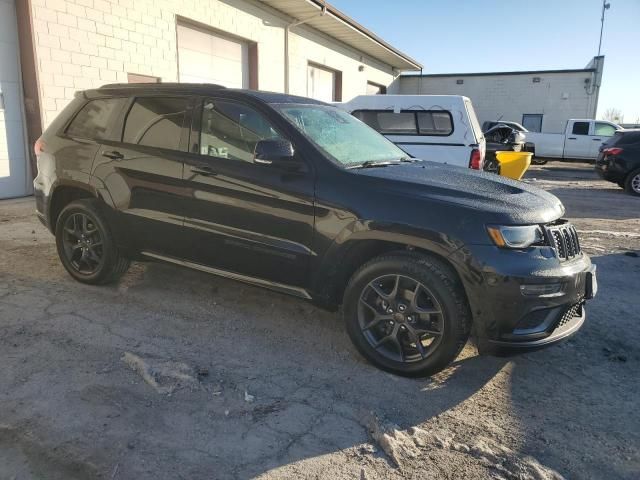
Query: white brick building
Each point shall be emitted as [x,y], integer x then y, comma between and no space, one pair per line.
[542,100]
[49,49]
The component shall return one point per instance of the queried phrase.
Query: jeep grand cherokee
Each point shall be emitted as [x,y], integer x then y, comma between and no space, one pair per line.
[297,196]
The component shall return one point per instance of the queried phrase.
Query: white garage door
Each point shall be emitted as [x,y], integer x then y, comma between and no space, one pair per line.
[13,158]
[205,57]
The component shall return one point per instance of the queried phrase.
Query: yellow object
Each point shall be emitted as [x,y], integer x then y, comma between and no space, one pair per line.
[513,164]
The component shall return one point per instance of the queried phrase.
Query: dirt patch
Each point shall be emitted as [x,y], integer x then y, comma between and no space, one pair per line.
[227,381]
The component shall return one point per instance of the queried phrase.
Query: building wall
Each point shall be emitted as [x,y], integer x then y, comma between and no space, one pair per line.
[83,44]
[558,96]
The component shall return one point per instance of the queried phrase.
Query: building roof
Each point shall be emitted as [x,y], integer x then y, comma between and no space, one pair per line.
[520,72]
[329,20]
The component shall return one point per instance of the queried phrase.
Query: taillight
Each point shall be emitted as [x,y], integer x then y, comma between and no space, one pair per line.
[612,151]
[475,162]
[39,146]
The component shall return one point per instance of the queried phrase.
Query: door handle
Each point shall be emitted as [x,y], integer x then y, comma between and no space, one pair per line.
[597,139]
[112,154]
[571,138]
[204,170]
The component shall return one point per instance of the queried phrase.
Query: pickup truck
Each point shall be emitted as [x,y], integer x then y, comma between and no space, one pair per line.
[581,140]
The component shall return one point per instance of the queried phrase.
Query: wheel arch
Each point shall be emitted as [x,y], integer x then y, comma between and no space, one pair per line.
[65,192]
[343,260]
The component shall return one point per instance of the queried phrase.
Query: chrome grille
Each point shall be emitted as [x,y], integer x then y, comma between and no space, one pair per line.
[564,239]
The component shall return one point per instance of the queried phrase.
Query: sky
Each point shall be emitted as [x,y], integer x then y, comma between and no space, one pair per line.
[455,36]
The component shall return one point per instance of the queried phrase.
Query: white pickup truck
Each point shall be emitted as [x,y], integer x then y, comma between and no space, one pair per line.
[581,140]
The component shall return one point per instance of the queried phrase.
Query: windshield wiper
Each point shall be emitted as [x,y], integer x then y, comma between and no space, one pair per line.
[383,163]
[371,164]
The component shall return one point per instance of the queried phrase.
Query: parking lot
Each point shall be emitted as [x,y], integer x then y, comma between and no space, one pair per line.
[178,374]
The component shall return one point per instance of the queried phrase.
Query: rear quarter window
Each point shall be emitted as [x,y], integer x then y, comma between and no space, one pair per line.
[94,118]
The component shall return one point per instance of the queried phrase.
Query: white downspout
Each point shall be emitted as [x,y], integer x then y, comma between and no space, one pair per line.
[287,28]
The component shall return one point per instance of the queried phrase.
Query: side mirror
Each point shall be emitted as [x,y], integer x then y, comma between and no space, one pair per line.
[274,151]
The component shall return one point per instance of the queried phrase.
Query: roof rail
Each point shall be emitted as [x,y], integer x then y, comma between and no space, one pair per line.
[161,85]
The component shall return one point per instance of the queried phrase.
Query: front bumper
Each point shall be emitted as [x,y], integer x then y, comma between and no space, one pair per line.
[524,300]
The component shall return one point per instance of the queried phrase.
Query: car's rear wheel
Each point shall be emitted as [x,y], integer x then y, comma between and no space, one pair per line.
[407,314]
[85,244]
[632,183]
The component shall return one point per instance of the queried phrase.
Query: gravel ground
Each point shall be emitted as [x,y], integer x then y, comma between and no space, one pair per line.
[174,374]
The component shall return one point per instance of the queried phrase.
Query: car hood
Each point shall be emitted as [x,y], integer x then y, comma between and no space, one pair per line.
[503,199]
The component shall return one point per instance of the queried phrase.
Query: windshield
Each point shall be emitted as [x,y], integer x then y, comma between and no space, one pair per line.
[343,137]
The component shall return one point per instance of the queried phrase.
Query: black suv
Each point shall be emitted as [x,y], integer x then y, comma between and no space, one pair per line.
[619,160]
[298,196]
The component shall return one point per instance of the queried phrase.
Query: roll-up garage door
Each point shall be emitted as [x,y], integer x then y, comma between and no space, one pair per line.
[207,57]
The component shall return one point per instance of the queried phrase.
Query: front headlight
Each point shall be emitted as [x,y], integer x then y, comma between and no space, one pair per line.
[515,236]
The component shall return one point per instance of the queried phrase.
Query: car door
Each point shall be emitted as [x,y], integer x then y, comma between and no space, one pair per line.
[243,217]
[142,171]
[578,141]
[602,131]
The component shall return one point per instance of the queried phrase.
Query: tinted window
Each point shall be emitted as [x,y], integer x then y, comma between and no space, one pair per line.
[434,123]
[407,122]
[92,121]
[628,138]
[231,130]
[604,129]
[156,122]
[580,128]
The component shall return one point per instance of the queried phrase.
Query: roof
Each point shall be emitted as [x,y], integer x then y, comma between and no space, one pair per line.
[193,89]
[341,27]
[521,72]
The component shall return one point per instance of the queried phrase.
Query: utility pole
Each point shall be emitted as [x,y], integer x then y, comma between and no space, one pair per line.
[605,6]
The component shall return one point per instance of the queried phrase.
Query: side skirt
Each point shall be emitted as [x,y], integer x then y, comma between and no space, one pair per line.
[278,287]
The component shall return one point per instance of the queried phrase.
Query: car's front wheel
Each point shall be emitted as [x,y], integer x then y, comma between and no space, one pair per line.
[407,314]
[85,244]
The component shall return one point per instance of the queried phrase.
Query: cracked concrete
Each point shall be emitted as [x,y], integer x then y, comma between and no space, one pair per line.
[70,408]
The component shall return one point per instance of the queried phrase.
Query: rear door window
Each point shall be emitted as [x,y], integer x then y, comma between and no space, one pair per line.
[580,128]
[94,118]
[156,122]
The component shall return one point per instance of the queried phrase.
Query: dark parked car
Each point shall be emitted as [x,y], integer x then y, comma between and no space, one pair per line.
[619,160]
[298,196]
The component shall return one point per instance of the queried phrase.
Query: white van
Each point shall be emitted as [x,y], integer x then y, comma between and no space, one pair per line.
[441,128]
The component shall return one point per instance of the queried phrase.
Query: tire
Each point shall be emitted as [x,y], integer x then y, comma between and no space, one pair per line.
[632,183]
[538,161]
[86,246]
[368,321]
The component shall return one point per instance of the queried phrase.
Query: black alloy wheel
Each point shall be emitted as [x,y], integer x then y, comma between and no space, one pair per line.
[400,318]
[407,313]
[82,243]
[86,246]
